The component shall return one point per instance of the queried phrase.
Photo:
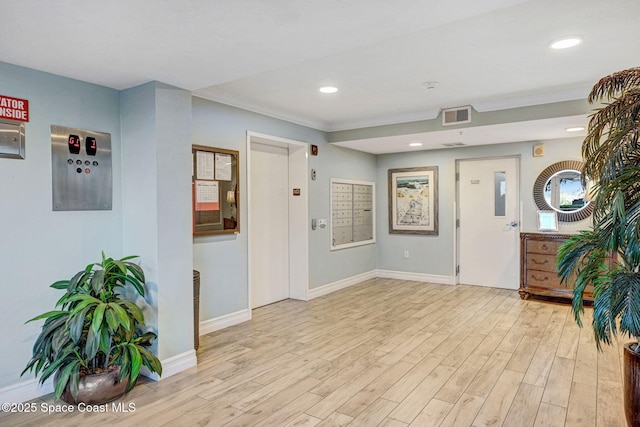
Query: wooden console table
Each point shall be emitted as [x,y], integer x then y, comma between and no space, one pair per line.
[538,273]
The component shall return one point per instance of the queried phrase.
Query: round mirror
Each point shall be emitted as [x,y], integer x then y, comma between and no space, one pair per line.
[564,191]
[559,188]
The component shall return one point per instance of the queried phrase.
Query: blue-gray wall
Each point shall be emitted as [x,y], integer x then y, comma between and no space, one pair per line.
[222,260]
[151,214]
[327,266]
[39,246]
[156,146]
[433,254]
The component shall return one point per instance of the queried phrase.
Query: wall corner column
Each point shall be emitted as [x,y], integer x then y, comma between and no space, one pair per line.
[156,182]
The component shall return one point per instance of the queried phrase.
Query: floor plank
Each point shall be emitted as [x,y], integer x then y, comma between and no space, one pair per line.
[550,416]
[433,414]
[390,353]
[582,406]
[497,405]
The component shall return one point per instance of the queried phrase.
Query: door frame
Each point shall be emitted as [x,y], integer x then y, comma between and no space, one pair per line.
[456,228]
[298,213]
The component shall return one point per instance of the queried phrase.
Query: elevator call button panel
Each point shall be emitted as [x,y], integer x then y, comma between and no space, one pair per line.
[81,168]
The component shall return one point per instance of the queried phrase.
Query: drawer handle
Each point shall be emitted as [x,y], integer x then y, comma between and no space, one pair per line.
[537,278]
[535,261]
[544,246]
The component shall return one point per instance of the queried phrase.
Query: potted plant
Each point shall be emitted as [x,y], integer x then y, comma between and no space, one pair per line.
[612,160]
[94,344]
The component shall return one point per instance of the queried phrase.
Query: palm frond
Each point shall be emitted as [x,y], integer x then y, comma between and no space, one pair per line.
[610,86]
[611,152]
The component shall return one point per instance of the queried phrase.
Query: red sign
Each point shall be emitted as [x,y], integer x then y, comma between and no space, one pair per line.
[14,108]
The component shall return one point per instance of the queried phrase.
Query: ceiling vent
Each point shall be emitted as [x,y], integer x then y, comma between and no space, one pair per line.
[455,116]
[454,144]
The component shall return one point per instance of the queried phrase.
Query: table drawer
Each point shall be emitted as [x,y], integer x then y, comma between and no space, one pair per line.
[543,279]
[547,248]
[541,262]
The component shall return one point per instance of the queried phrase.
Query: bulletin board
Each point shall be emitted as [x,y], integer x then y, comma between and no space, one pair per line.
[352,213]
[215,191]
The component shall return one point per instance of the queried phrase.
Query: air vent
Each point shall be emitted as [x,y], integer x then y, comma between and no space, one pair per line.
[454,116]
[454,144]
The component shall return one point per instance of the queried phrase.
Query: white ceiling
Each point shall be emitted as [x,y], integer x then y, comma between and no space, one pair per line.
[271,56]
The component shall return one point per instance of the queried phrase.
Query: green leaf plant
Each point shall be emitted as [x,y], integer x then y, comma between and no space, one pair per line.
[94,329]
[607,255]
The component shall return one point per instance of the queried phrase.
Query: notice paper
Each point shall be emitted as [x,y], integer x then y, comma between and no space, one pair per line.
[204,165]
[207,196]
[223,167]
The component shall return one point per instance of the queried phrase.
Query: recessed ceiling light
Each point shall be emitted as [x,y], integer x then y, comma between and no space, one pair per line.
[574,129]
[328,89]
[565,43]
[415,144]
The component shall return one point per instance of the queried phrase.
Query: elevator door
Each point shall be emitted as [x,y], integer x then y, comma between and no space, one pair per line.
[269,212]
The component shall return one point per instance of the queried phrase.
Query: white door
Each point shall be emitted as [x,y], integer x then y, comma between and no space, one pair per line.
[269,211]
[489,214]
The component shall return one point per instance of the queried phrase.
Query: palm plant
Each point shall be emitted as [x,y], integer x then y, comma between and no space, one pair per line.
[95,329]
[611,159]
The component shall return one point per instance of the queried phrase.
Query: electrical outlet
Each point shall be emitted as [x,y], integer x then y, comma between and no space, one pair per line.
[406,254]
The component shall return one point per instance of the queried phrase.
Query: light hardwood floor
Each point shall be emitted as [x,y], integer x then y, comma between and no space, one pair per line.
[386,353]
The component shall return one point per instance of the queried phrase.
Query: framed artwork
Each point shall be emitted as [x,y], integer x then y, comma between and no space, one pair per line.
[413,200]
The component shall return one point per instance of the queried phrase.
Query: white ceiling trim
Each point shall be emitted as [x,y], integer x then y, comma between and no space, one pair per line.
[298,120]
[547,97]
[532,130]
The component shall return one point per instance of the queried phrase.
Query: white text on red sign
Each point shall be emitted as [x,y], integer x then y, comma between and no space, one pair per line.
[14,108]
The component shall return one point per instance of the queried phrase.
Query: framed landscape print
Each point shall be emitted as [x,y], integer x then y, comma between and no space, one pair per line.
[413,200]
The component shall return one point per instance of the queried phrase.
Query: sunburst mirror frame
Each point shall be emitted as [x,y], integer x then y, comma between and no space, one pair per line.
[541,202]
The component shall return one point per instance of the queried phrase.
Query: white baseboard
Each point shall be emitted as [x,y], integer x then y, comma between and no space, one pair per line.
[340,284]
[386,274]
[217,323]
[173,365]
[31,389]
[26,390]
[416,277]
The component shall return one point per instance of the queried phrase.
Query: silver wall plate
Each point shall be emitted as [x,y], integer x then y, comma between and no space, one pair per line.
[81,180]
[11,139]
